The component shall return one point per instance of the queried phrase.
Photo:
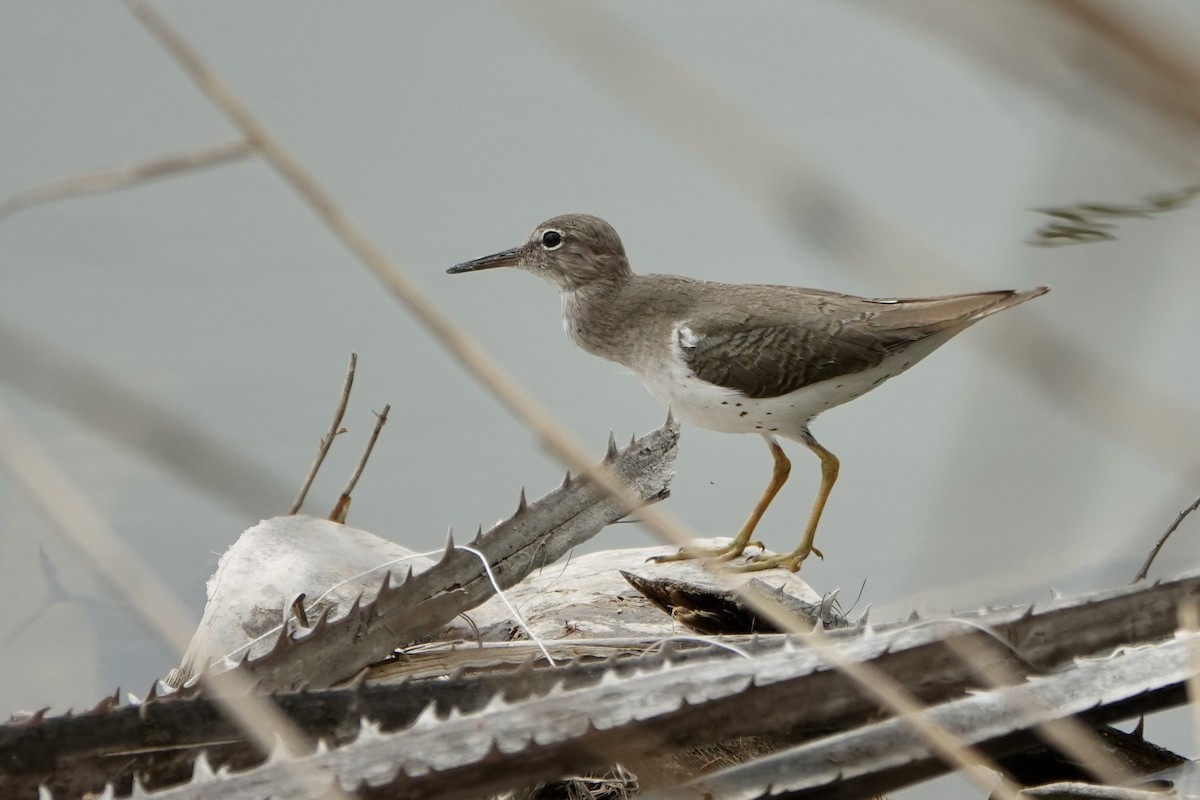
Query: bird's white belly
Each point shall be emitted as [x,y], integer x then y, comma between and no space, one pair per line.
[720,409]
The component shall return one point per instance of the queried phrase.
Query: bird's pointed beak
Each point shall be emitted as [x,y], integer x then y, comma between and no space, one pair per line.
[505,258]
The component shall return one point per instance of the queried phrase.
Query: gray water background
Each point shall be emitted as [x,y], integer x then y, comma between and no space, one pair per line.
[449,131]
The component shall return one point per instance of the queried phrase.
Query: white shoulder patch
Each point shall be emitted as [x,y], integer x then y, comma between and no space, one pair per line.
[687,337]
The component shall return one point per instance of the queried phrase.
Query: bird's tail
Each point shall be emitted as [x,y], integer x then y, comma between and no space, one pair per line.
[1008,299]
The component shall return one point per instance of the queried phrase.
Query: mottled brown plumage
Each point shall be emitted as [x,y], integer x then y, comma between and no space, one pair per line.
[735,357]
[767,357]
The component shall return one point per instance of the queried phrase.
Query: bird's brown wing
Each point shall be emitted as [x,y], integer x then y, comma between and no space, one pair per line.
[770,353]
[773,360]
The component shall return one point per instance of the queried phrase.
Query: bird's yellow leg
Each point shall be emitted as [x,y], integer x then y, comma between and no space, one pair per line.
[779,475]
[793,560]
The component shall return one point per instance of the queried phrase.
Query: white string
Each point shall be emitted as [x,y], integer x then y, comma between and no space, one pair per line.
[500,593]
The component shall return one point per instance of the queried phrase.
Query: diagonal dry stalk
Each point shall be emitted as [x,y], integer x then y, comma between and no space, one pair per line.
[343,504]
[879,756]
[130,578]
[1077,4]
[772,686]
[750,158]
[125,176]
[384,607]
[552,435]
[1127,65]
[1068,734]
[1111,400]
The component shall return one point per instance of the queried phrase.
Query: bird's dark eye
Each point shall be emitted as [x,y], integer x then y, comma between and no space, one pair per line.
[552,240]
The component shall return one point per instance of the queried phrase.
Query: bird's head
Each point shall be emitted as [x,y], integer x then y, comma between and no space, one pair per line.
[571,252]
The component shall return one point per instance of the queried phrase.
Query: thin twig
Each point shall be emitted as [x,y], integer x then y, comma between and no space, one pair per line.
[330,435]
[522,405]
[124,176]
[131,579]
[1163,76]
[343,504]
[760,164]
[520,620]
[1141,575]
[1147,89]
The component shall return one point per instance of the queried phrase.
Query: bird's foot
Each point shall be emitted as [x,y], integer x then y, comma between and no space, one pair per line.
[791,561]
[718,554]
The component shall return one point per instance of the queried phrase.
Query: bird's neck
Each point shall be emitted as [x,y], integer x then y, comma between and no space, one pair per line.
[591,317]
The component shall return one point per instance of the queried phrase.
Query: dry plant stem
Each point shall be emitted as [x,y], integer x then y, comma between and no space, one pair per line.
[724,138]
[343,504]
[330,435]
[1127,65]
[122,177]
[880,686]
[522,405]
[132,580]
[472,357]
[1141,575]
[1176,75]
[1068,734]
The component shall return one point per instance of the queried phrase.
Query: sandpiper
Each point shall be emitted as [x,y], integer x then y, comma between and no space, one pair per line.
[739,358]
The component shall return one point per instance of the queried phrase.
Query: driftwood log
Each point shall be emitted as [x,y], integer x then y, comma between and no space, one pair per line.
[426,684]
